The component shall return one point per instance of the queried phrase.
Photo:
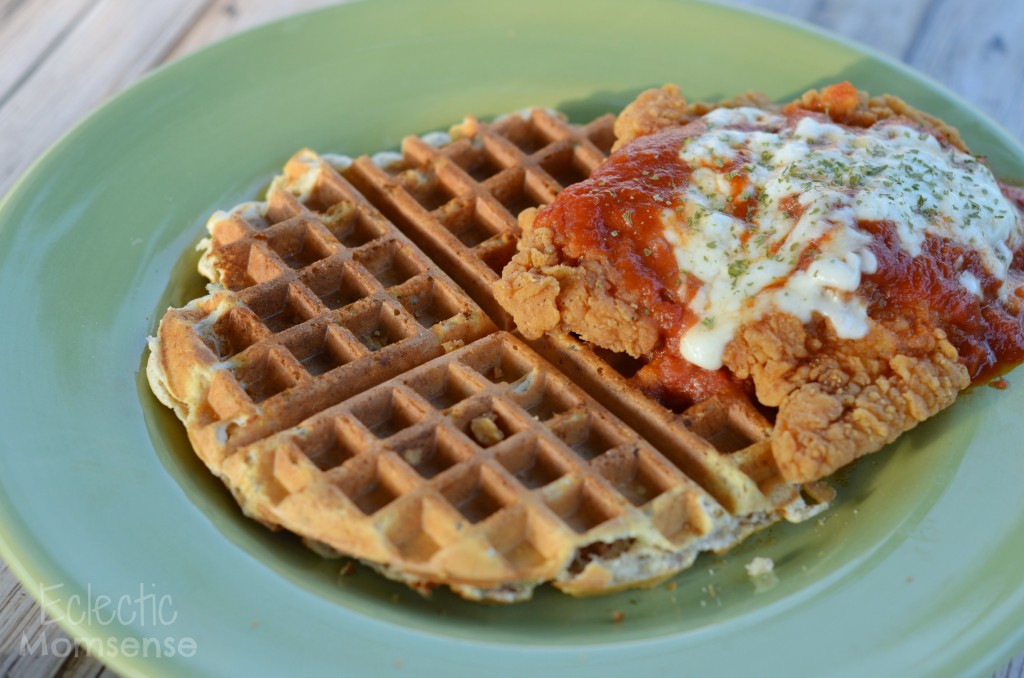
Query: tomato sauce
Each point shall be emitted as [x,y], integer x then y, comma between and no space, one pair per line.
[616,217]
[988,334]
[677,383]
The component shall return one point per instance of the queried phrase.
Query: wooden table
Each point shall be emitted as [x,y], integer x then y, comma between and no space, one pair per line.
[61,58]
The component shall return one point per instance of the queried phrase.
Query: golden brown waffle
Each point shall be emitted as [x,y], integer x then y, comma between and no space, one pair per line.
[460,202]
[345,388]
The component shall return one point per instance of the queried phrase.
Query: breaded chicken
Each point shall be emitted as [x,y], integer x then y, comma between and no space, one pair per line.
[838,399]
[655,109]
[841,390]
[543,291]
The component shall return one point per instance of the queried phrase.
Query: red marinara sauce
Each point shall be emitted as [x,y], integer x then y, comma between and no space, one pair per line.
[616,216]
[987,331]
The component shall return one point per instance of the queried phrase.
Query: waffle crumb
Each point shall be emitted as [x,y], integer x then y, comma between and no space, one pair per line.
[414,456]
[486,431]
[453,345]
[761,571]
[759,567]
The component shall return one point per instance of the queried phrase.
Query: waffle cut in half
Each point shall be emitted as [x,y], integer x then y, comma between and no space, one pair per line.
[351,378]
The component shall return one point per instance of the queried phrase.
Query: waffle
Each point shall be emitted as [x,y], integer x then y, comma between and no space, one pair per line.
[351,378]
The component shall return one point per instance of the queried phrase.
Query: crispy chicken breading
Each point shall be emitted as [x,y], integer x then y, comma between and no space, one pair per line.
[655,109]
[543,291]
[836,398]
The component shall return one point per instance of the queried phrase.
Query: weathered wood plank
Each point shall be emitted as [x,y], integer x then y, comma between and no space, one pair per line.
[885,25]
[9,7]
[84,666]
[21,626]
[971,48]
[118,40]
[28,32]
[976,49]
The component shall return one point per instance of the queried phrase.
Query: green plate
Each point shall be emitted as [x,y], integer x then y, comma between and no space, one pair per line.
[106,516]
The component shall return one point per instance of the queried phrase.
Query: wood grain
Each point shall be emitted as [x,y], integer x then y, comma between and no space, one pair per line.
[861,19]
[114,43]
[972,48]
[22,621]
[29,33]
[979,54]
[61,58]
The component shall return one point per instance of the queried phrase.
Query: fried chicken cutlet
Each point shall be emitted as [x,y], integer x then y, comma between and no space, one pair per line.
[843,258]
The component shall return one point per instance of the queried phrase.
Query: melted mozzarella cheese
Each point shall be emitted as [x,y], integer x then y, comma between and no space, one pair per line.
[802,250]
